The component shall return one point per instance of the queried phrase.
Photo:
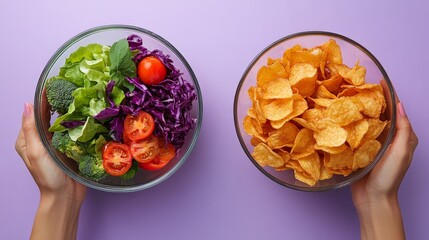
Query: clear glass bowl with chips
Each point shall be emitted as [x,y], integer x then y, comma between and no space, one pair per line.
[107,35]
[318,116]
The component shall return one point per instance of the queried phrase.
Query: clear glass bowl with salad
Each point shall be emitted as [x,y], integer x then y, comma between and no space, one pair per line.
[118,108]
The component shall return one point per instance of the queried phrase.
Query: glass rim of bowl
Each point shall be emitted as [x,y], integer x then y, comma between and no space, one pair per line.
[45,141]
[363,172]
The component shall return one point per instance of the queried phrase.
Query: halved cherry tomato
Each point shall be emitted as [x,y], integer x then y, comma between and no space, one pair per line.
[144,150]
[154,165]
[165,154]
[139,127]
[117,159]
[125,138]
[151,70]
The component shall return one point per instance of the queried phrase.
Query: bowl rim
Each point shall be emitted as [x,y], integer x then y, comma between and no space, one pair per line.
[363,172]
[45,140]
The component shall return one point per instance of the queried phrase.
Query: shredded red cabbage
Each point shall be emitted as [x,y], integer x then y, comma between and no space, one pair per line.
[72,123]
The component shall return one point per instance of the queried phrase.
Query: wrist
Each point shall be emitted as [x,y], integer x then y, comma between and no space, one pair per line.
[380,218]
[57,217]
[379,201]
[55,202]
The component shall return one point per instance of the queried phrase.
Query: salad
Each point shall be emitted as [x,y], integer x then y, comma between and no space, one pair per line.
[120,108]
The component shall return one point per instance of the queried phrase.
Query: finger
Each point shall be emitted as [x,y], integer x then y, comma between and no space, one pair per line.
[414,140]
[403,137]
[20,147]
[33,144]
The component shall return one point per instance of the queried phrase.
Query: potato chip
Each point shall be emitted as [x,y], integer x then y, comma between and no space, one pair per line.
[278,69]
[261,128]
[284,154]
[271,61]
[322,92]
[293,164]
[251,112]
[277,88]
[358,103]
[305,178]
[296,155]
[365,154]
[372,107]
[283,136]
[255,141]
[322,66]
[333,83]
[323,102]
[313,115]
[325,174]
[304,123]
[348,92]
[286,58]
[277,109]
[356,75]
[303,77]
[250,128]
[264,156]
[304,141]
[366,86]
[312,57]
[343,112]
[334,52]
[264,76]
[331,150]
[311,165]
[331,136]
[257,111]
[341,163]
[375,128]
[299,107]
[355,132]
[286,157]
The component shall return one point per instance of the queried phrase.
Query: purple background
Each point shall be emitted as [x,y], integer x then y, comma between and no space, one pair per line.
[218,193]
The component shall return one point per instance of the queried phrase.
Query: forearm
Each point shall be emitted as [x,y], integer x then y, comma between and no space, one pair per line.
[382,220]
[56,218]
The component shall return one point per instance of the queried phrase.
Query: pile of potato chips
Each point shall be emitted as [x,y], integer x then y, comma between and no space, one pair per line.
[314,115]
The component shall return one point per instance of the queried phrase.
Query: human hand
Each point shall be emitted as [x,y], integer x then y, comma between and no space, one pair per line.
[384,180]
[375,197]
[50,179]
[60,196]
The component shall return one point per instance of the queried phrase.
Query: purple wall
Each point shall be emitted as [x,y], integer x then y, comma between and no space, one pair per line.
[218,193]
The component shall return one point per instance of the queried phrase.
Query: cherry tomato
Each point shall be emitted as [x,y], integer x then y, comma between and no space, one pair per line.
[166,151]
[165,154]
[125,138]
[117,159]
[139,127]
[145,150]
[151,70]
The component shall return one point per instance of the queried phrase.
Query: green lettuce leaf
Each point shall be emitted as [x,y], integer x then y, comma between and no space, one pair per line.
[87,131]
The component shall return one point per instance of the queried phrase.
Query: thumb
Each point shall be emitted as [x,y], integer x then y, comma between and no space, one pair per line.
[31,136]
[405,141]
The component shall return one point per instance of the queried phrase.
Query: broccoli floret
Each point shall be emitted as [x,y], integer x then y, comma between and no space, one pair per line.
[63,143]
[59,94]
[92,167]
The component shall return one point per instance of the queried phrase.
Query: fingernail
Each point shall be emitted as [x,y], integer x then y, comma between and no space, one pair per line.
[27,109]
[401,109]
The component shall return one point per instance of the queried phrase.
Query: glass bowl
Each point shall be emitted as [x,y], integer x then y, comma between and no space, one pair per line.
[107,35]
[351,52]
